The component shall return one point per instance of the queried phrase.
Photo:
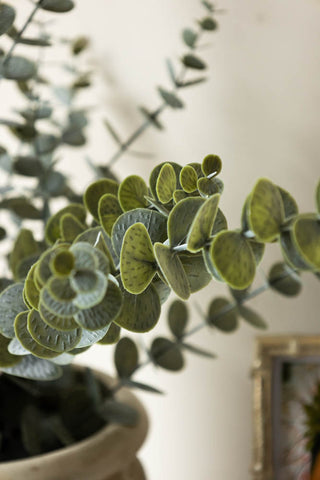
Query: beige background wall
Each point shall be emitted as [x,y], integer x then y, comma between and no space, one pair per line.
[259,111]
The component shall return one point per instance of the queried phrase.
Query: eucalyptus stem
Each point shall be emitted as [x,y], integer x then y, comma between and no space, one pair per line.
[135,135]
[154,115]
[202,324]
[21,31]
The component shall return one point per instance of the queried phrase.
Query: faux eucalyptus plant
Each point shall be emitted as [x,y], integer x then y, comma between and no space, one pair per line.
[109,260]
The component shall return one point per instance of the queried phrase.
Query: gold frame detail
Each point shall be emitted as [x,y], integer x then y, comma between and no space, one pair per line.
[266,349]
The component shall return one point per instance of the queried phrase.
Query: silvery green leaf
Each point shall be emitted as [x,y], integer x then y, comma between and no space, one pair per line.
[17,68]
[34,369]
[90,337]
[16,348]
[7,16]
[11,304]
[63,359]
[189,37]
[170,98]
[91,298]
[46,143]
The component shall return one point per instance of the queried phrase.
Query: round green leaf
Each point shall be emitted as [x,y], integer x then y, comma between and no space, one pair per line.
[172,269]
[191,61]
[70,227]
[90,337]
[211,165]
[306,238]
[11,304]
[233,258]
[257,249]
[155,173]
[53,230]
[25,246]
[104,313]
[26,340]
[132,192]
[65,324]
[188,179]
[7,359]
[210,186]
[89,298]
[95,191]
[137,262]
[181,218]
[7,16]
[50,338]
[126,357]
[62,263]
[59,307]
[265,211]
[178,318]
[208,23]
[109,211]
[17,68]
[86,257]
[202,225]
[284,280]
[57,6]
[166,183]
[155,223]
[252,317]
[167,354]
[222,315]
[112,336]
[139,313]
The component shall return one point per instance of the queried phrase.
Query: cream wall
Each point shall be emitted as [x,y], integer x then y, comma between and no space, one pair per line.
[260,112]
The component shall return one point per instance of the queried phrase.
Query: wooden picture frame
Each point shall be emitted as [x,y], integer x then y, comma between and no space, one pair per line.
[274,355]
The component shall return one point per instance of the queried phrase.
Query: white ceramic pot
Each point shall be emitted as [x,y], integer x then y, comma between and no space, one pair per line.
[110,454]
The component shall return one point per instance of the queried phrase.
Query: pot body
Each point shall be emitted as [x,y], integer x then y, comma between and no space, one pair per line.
[110,454]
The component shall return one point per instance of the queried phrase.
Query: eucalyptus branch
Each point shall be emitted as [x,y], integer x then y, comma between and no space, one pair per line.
[204,323]
[21,31]
[153,115]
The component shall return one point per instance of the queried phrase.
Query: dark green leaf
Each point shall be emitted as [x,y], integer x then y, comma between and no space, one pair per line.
[172,269]
[141,386]
[126,357]
[196,271]
[197,350]
[7,16]
[252,317]
[209,24]
[151,117]
[140,313]
[57,6]
[46,143]
[233,258]
[284,279]
[28,166]
[191,61]
[306,239]
[289,203]
[166,183]
[178,318]
[223,315]
[34,369]
[167,354]
[112,335]
[7,359]
[202,224]
[181,218]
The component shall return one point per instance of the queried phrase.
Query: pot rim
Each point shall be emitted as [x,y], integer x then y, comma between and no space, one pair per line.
[131,434]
